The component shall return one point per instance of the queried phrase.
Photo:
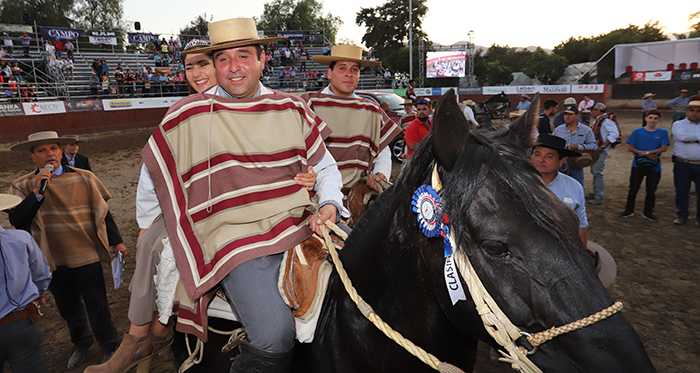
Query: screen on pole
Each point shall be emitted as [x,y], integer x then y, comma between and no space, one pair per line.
[446,64]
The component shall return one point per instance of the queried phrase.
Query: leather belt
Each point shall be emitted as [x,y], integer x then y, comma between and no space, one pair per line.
[15,316]
[685,160]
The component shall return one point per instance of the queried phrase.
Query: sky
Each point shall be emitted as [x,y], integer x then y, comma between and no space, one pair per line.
[509,22]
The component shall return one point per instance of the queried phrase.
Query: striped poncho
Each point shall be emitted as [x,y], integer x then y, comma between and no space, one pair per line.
[360,131]
[224,180]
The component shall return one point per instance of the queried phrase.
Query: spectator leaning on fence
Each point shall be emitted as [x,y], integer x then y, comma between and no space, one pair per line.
[683,99]
[26,39]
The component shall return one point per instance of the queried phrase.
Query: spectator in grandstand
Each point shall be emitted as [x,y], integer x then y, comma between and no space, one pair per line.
[584,107]
[105,85]
[68,67]
[302,61]
[50,50]
[138,84]
[683,99]
[69,48]
[293,75]
[129,83]
[559,118]
[646,144]
[157,60]
[94,84]
[17,72]
[524,102]
[57,68]
[543,126]
[105,68]
[647,105]
[97,69]
[171,48]
[26,39]
[31,94]
[58,48]
[146,77]
[287,61]
[163,47]
[7,42]
[6,70]
[326,50]
[165,60]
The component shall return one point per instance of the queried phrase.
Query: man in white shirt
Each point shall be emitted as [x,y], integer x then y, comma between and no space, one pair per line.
[686,159]
[606,134]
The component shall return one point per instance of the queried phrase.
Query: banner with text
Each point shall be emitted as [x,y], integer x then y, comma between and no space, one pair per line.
[49,33]
[10,109]
[41,108]
[652,76]
[4,27]
[84,105]
[102,37]
[141,38]
[139,103]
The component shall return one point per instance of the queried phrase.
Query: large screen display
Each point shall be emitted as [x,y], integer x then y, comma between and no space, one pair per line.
[446,64]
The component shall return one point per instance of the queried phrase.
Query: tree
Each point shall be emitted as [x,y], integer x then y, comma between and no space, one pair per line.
[100,14]
[498,74]
[387,27]
[695,29]
[198,26]
[44,12]
[547,68]
[298,15]
[575,50]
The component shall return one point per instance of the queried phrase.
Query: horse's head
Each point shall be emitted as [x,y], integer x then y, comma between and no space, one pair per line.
[521,240]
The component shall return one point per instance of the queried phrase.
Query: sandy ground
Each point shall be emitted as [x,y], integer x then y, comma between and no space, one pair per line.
[658,270]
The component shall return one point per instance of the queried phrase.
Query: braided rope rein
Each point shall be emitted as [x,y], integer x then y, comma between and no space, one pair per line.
[372,316]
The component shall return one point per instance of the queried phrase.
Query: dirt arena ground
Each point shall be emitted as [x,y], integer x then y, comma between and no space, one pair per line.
[658,270]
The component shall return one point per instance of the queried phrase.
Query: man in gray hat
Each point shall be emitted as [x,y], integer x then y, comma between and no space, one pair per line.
[65,209]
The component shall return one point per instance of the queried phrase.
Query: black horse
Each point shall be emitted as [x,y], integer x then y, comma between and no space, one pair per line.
[521,240]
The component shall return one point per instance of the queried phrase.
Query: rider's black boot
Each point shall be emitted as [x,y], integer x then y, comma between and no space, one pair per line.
[254,359]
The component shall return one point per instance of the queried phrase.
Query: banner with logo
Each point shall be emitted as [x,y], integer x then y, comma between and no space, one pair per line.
[588,88]
[83,105]
[4,27]
[8,109]
[469,90]
[102,37]
[49,33]
[651,76]
[292,35]
[141,38]
[139,103]
[41,108]
[687,76]
[313,36]
[421,92]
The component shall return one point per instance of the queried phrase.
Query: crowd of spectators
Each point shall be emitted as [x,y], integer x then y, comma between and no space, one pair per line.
[143,81]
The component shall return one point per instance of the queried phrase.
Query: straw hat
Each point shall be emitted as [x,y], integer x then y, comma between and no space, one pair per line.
[570,101]
[587,158]
[234,33]
[606,269]
[46,137]
[8,201]
[469,103]
[408,101]
[351,53]
[648,95]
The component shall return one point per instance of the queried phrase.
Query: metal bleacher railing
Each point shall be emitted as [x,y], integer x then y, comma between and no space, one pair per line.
[51,83]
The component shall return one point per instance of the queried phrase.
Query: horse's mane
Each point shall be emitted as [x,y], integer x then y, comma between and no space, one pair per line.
[490,156]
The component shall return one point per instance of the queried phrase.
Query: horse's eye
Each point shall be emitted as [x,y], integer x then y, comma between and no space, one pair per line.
[494,248]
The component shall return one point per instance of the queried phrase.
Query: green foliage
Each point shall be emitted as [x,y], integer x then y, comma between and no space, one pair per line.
[498,73]
[298,15]
[581,49]
[387,31]
[198,26]
[695,29]
[547,68]
[44,12]
[100,14]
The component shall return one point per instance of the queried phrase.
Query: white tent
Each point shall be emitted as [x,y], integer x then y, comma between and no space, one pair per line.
[656,55]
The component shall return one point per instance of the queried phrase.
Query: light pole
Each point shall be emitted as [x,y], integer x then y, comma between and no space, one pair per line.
[410,39]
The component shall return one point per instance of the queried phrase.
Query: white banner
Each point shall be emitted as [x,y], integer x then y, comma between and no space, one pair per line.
[139,103]
[588,88]
[40,108]
[424,91]
[527,89]
[658,76]
[103,40]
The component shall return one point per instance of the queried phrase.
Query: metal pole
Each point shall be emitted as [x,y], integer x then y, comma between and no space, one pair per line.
[410,39]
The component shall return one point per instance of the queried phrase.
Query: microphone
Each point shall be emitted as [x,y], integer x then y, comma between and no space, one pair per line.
[42,186]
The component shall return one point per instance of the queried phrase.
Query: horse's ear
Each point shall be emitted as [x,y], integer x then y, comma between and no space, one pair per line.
[450,130]
[524,128]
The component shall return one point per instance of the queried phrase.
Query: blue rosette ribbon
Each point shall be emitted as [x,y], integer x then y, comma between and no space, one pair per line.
[427,206]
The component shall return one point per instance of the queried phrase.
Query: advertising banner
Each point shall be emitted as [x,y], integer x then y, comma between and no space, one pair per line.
[687,76]
[41,108]
[658,76]
[60,33]
[10,109]
[138,103]
[102,37]
[83,105]
[4,27]
[314,36]
[141,38]
[423,91]
[588,88]
[292,35]
[469,91]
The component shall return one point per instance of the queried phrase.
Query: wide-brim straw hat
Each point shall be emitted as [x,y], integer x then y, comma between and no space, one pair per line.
[647,95]
[587,158]
[45,137]
[344,52]
[8,201]
[606,268]
[408,101]
[694,102]
[235,33]
[469,102]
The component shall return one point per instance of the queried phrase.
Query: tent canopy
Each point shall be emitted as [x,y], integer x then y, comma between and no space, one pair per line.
[656,55]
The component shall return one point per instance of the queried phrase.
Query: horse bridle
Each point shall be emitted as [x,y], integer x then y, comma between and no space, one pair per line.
[495,321]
